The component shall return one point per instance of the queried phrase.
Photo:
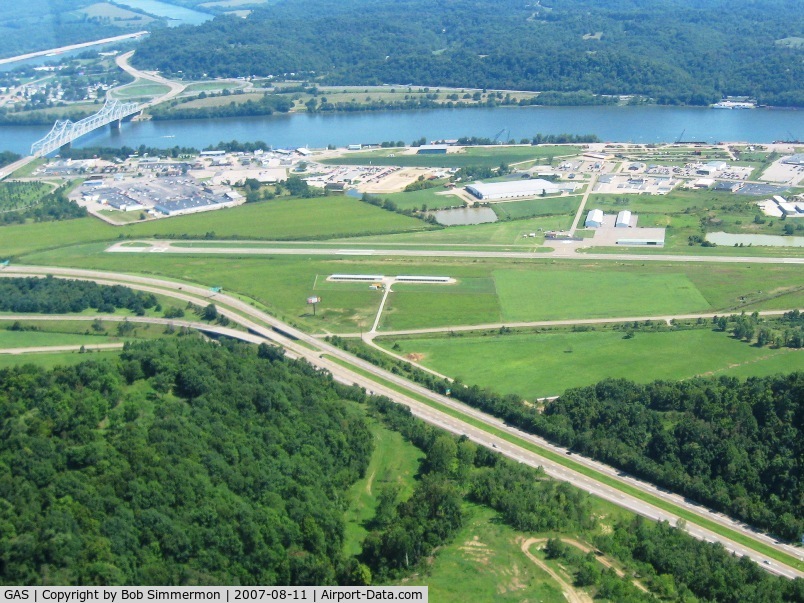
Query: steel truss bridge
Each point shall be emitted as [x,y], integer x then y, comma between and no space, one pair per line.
[64,132]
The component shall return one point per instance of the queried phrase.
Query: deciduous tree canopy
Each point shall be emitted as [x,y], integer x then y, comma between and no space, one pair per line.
[676,51]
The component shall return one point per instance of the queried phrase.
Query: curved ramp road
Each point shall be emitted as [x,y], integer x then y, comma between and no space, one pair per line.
[455,417]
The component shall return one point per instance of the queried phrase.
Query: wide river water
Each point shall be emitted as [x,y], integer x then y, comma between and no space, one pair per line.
[651,124]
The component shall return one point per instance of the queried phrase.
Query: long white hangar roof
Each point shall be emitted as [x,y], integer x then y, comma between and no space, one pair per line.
[513,188]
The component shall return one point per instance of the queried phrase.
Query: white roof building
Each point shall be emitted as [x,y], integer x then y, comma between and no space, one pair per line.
[594,218]
[623,219]
[495,191]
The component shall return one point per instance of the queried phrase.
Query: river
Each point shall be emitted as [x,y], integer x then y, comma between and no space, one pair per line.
[651,124]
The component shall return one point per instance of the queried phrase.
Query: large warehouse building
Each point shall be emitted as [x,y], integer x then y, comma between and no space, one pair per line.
[497,191]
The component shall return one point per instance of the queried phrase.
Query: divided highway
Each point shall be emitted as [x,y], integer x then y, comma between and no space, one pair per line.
[455,417]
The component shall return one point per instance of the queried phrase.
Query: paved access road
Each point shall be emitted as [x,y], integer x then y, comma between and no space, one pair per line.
[175,88]
[328,357]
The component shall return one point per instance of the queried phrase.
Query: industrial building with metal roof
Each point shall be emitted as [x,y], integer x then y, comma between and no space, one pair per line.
[496,191]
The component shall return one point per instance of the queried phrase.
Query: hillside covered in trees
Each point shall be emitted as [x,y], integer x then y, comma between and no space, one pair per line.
[185,463]
[673,51]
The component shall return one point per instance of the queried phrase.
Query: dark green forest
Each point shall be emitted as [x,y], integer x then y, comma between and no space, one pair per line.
[674,51]
[59,296]
[185,463]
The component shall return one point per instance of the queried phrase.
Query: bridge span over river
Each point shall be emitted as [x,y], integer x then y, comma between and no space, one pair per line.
[65,131]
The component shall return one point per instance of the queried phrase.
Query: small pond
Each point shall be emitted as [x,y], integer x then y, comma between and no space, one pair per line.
[464,215]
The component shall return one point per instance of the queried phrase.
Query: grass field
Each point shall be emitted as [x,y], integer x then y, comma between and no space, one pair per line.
[555,294]
[433,198]
[524,289]
[485,564]
[545,364]
[394,460]
[214,85]
[516,210]
[25,339]
[474,156]
[220,101]
[48,360]
[287,219]
[140,88]
[506,232]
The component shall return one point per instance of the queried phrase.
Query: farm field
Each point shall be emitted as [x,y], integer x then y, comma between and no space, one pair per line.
[18,195]
[545,364]
[474,156]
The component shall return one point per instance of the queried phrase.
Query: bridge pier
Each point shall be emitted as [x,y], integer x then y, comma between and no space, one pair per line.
[115,124]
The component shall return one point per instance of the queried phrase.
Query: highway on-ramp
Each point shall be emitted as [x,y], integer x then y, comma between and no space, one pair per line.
[455,417]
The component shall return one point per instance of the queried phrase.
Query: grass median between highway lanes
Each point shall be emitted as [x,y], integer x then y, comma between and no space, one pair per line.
[689,516]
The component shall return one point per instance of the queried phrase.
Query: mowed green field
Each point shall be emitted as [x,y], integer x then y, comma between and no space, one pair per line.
[546,364]
[515,290]
[25,339]
[556,294]
[325,217]
[287,219]
[434,198]
[515,210]
[50,360]
[488,156]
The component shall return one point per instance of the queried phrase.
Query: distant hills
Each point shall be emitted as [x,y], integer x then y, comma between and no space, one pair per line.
[668,51]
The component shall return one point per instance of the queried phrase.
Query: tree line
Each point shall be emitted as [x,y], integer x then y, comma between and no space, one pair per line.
[61,296]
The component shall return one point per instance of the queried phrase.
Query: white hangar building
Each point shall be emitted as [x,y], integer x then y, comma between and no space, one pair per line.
[594,219]
[497,191]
